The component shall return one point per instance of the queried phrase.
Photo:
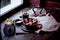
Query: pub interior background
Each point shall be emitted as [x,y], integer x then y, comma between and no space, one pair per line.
[46,13]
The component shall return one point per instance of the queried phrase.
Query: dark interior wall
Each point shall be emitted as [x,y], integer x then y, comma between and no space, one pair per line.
[42,3]
[55,1]
[26,3]
[52,4]
[56,15]
[34,3]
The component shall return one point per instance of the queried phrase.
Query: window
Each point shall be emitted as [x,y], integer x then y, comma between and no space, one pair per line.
[8,5]
[4,3]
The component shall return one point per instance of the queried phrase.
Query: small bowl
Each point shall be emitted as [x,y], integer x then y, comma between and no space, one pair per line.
[18,22]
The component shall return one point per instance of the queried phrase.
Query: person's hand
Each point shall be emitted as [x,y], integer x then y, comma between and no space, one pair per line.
[39,25]
[35,20]
[30,23]
[25,21]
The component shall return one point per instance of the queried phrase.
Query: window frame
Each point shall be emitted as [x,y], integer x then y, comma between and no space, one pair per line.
[10,7]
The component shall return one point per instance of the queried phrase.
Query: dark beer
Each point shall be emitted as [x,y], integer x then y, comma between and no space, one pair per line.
[25,15]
